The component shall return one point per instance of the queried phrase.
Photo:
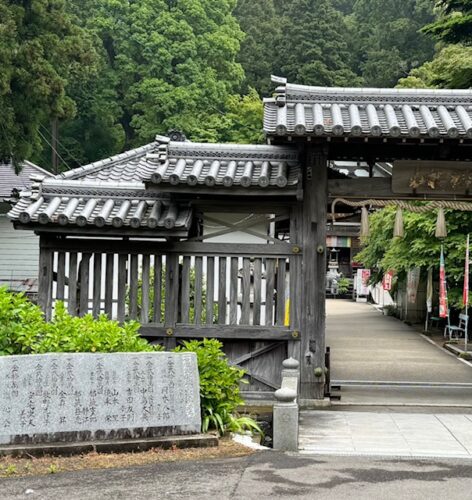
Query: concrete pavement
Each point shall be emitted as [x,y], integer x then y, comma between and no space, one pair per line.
[261,476]
[386,433]
[367,346]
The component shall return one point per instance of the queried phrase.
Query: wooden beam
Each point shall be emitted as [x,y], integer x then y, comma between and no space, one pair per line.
[235,332]
[280,249]
[381,188]
[223,191]
[375,187]
[107,231]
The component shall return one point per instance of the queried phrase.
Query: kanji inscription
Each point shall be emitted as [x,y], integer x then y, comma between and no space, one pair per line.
[84,396]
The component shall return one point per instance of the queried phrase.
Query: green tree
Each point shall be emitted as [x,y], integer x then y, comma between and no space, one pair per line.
[419,247]
[173,64]
[262,27]
[451,68]
[385,38]
[315,45]
[454,22]
[41,46]
[242,120]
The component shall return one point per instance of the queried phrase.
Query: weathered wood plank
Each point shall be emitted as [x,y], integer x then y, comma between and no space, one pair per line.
[61,275]
[84,284]
[122,278]
[233,292]
[270,288]
[313,272]
[97,284]
[145,288]
[210,290]
[365,188]
[198,290]
[280,292]
[109,280]
[185,291]
[256,316]
[157,291]
[172,290]
[133,287]
[280,249]
[295,279]
[238,332]
[45,280]
[246,292]
[72,281]
[254,354]
[222,300]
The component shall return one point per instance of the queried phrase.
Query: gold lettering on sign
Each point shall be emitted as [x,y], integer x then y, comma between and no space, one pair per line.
[440,180]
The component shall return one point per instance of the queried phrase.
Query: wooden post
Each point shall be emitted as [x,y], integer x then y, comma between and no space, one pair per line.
[45,279]
[296,238]
[315,190]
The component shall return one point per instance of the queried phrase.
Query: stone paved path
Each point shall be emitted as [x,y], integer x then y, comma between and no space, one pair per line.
[367,348]
[386,434]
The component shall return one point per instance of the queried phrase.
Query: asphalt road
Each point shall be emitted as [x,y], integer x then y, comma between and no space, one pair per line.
[260,476]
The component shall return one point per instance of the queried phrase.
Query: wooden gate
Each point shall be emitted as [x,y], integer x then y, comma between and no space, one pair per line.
[245,294]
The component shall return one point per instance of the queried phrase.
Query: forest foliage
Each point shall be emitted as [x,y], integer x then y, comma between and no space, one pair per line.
[114,73]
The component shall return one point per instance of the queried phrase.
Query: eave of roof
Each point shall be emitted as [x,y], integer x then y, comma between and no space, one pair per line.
[187,167]
[299,110]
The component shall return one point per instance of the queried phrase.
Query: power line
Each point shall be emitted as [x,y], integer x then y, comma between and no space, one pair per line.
[54,149]
[62,146]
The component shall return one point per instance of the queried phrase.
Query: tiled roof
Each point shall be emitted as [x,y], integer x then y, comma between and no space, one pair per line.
[323,111]
[99,204]
[222,165]
[9,180]
[122,167]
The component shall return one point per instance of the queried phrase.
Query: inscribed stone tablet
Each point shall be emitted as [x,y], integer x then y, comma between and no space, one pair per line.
[69,397]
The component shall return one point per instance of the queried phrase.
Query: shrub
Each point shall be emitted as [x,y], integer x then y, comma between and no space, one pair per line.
[23,330]
[20,322]
[219,387]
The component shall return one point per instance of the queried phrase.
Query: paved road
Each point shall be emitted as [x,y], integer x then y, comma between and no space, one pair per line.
[367,346]
[266,475]
[387,433]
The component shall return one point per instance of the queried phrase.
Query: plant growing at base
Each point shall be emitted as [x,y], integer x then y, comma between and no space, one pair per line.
[219,388]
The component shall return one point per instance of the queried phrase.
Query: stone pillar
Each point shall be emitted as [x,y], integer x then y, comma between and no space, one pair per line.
[285,419]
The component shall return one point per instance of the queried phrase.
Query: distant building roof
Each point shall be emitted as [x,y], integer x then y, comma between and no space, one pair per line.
[334,111]
[9,180]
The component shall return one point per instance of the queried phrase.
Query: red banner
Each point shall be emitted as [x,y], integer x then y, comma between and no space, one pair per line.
[387,280]
[442,287]
[465,294]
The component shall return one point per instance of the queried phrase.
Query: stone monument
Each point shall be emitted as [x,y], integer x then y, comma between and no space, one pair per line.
[84,396]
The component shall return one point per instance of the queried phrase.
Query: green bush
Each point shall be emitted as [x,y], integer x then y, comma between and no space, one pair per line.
[219,388]
[343,285]
[20,322]
[23,330]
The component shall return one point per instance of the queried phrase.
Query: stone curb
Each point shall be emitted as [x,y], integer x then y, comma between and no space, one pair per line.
[118,446]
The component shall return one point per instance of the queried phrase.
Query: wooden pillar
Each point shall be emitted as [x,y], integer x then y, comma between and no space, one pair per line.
[296,281]
[45,278]
[315,189]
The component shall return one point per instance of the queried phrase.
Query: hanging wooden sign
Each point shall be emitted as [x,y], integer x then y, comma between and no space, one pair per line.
[432,177]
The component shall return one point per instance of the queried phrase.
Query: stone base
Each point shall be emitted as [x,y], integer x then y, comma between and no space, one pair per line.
[307,404]
[118,446]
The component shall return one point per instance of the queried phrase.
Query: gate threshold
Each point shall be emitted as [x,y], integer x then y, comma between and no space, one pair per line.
[394,383]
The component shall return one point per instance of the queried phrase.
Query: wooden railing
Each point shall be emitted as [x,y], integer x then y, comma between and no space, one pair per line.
[185,289]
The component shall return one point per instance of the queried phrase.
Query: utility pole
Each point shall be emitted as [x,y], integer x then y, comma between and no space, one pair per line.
[54,136]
